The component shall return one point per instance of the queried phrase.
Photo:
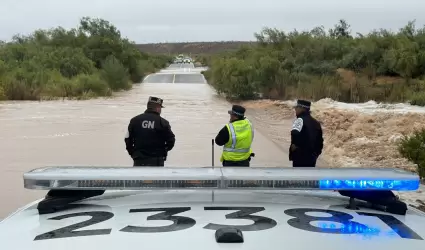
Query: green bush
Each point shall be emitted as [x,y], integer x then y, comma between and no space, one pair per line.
[115,74]
[93,84]
[413,148]
[87,61]
[318,63]
[2,94]
[140,71]
[418,99]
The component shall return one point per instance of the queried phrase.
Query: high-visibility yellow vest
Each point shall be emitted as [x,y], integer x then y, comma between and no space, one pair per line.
[241,135]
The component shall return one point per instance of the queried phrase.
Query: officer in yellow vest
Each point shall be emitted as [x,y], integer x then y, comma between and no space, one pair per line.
[236,138]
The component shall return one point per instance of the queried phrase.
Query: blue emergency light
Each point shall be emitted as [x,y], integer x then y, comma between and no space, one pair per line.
[253,178]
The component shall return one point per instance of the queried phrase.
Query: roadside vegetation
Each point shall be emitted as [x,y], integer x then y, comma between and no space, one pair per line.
[412,147]
[88,61]
[382,66]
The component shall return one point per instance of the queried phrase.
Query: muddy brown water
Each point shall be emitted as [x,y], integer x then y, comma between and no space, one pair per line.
[53,133]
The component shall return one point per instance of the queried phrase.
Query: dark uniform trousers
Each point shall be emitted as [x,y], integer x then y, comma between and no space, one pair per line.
[244,163]
[304,163]
[149,162]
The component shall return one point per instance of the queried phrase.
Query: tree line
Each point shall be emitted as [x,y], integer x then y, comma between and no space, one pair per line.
[381,65]
[90,60]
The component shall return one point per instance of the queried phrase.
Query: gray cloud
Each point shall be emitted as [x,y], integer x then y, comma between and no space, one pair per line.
[201,20]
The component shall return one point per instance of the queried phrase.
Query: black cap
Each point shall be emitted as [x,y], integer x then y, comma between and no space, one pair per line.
[303,104]
[155,100]
[237,110]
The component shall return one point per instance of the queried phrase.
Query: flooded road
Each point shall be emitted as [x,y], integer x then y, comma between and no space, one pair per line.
[49,133]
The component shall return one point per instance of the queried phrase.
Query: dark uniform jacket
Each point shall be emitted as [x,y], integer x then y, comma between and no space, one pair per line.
[149,135]
[307,136]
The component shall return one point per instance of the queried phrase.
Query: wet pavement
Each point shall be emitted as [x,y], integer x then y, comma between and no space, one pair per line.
[49,133]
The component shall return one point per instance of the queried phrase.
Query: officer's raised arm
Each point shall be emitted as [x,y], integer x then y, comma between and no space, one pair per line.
[129,139]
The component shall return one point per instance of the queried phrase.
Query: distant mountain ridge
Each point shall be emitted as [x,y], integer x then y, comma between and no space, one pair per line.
[193,48]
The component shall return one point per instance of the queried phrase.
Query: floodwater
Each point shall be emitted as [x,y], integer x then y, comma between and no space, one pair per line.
[49,133]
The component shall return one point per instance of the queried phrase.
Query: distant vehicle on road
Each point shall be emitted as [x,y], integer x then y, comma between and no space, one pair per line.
[187,60]
[218,208]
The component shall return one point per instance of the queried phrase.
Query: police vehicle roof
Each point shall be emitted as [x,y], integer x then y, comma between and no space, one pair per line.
[204,208]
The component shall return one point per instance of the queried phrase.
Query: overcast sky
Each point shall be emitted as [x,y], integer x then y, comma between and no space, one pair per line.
[145,21]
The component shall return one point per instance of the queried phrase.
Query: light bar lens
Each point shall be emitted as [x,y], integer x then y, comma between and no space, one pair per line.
[402,185]
[272,184]
[220,178]
[142,184]
[327,184]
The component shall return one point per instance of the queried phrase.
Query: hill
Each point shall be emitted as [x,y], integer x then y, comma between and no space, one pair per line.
[193,48]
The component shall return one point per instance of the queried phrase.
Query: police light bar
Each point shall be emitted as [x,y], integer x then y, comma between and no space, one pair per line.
[137,178]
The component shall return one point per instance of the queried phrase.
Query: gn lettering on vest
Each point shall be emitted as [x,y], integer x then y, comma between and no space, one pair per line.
[148,124]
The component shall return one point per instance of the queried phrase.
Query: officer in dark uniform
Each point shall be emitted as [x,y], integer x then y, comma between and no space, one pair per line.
[306,137]
[149,136]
